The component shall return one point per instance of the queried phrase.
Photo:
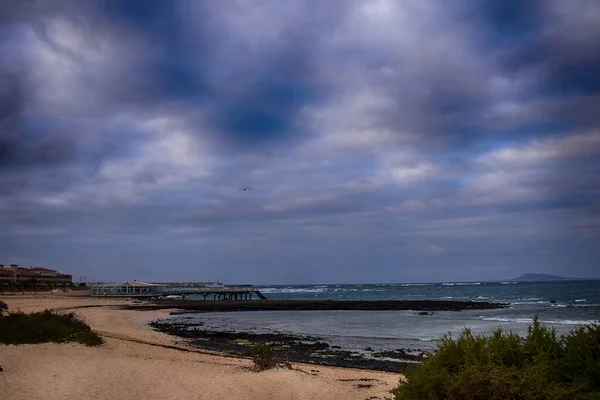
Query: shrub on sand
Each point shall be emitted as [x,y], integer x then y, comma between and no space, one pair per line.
[46,326]
[504,365]
[264,357]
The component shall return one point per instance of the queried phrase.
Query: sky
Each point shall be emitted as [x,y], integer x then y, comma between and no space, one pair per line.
[381,141]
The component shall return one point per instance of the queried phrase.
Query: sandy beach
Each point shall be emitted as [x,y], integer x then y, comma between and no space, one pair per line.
[134,363]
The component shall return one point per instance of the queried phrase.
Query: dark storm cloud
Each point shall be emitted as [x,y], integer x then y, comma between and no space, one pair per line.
[565,68]
[555,43]
[259,109]
[453,114]
[12,99]
[536,45]
[177,69]
[247,108]
[438,87]
[26,140]
[404,131]
[46,152]
[509,22]
[15,11]
[17,148]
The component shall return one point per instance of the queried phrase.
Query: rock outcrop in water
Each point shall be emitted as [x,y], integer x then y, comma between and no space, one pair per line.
[272,305]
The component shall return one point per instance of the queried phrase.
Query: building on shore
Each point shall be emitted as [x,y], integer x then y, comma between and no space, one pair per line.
[144,289]
[38,276]
[126,288]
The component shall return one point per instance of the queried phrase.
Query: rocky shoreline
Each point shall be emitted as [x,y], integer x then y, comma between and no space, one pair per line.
[297,348]
[288,305]
[292,348]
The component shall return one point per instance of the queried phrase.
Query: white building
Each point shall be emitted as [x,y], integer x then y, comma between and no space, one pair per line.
[126,289]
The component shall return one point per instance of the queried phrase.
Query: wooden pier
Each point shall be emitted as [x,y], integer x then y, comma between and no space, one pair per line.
[226,293]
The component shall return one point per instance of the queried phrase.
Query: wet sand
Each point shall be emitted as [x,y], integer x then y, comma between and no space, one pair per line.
[138,362]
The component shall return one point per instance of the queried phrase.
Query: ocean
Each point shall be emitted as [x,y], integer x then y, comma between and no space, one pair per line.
[563,305]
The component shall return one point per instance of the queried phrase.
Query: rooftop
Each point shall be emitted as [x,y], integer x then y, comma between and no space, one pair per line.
[127,283]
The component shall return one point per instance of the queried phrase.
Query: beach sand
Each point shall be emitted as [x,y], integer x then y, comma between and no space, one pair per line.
[133,365]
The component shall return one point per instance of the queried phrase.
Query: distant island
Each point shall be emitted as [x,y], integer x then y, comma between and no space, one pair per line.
[542,278]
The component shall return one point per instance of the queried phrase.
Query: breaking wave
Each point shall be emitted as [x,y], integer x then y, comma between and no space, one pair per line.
[530,320]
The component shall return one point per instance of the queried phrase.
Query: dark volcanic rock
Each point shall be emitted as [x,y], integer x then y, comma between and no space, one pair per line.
[270,305]
[302,349]
[295,348]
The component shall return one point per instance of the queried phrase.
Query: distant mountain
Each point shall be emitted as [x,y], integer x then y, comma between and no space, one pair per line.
[541,278]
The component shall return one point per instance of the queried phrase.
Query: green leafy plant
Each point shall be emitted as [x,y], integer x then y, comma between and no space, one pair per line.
[46,326]
[504,365]
[264,357]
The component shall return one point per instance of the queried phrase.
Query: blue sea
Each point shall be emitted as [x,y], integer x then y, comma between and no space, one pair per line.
[563,305]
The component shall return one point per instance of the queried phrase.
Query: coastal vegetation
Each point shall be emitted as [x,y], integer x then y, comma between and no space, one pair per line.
[43,327]
[504,365]
[264,357]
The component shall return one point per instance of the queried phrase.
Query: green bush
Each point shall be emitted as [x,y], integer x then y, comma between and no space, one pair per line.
[262,355]
[46,326]
[504,365]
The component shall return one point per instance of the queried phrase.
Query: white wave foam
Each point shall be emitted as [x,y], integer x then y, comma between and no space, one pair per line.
[569,322]
[498,319]
[292,290]
[415,284]
[529,320]
[580,300]
[461,283]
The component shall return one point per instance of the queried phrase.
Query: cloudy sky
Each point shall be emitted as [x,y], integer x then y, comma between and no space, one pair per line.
[383,141]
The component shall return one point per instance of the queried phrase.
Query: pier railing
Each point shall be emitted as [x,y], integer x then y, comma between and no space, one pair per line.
[217,293]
